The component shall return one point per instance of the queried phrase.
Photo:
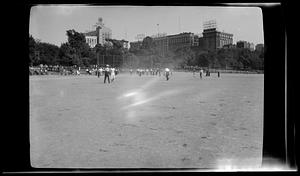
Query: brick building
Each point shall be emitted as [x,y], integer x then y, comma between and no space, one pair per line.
[181,40]
[213,39]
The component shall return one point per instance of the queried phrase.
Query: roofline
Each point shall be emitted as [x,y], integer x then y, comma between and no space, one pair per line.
[216,32]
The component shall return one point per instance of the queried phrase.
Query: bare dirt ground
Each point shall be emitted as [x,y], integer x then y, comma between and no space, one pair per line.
[146,122]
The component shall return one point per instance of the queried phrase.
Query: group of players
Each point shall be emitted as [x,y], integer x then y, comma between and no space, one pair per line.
[202,72]
[110,73]
[156,71]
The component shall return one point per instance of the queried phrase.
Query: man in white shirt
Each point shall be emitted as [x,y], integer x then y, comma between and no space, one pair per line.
[201,73]
[100,71]
[113,74]
[106,74]
[167,70]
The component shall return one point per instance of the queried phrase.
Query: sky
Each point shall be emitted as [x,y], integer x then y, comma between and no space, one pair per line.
[49,23]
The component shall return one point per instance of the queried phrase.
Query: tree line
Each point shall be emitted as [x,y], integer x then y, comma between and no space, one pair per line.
[77,52]
[73,52]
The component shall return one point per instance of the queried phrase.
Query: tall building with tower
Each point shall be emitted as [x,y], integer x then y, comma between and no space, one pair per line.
[100,35]
[212,38]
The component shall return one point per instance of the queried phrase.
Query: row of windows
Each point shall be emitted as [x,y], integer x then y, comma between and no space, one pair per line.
[225,42]
[180,40]
[228,36]
[187,39]
[91,41]
[225,35]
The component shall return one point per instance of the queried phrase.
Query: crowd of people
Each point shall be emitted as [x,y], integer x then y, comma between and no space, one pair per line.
[141,71]
[108,72]
[53,69]
[65,70]
[152,71]
[201,72]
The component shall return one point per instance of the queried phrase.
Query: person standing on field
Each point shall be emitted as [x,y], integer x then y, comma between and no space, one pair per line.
[167,70]
[106,74]
[98,72]
[201,73]
[194,71]
[112,74]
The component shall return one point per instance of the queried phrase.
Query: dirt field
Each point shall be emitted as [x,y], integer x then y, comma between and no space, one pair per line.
[146,122]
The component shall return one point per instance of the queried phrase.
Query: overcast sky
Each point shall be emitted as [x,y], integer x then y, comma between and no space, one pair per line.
[49,23]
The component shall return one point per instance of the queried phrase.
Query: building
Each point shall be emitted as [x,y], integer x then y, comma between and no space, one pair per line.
[229,46]
[243,44]
[182,40]
[213,39]
[162,44]
[259,47]
[252,47]
[91,40]
[165,42]
[196,40]
[158,35]
[100,35]
[201,43]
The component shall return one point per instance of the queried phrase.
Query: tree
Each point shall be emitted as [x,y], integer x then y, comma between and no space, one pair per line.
[67,55]
[48,53]
[148,43]
[80,49]
[243,58]
[32,50]
[203,60]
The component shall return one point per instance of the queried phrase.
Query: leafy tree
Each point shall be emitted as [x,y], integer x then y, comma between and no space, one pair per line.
[48,53]
[67,55]
[148,43]
[79,48]
[243,58]
[203,60]
[32,49]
